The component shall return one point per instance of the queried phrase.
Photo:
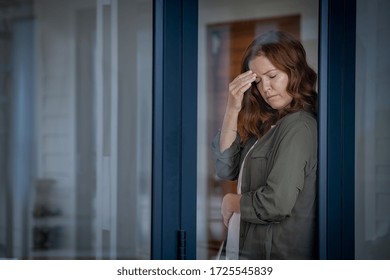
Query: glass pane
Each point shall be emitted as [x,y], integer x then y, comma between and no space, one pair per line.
[372,165]
[225,29]
[76,124]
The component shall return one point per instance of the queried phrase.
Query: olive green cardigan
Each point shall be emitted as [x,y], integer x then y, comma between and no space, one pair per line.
[279,193]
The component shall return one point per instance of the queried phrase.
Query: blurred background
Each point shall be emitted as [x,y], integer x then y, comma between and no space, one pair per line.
[76,102]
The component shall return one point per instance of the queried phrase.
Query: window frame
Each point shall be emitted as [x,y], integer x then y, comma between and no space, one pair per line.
[337,41]
[174,129]
[175,122]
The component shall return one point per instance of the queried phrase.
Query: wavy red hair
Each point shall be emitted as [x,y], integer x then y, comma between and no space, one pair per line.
[288,55]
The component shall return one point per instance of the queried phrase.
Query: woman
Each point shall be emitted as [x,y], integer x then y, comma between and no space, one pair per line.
[268,142]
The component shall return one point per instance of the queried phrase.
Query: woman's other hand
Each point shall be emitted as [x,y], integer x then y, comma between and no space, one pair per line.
[230,205]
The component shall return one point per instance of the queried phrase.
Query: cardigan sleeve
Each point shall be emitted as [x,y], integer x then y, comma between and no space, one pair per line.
[287,162]
[227,163]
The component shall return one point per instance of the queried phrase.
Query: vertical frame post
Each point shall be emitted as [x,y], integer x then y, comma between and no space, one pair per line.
[337,132]
[174,129]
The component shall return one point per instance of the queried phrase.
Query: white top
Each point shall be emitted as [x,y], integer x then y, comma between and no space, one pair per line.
[233,236]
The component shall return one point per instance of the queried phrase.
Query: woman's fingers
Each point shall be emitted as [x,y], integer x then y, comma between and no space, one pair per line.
[237,88]
[226,218]
[227,208]
[226,212]
[243,80]
[246,75]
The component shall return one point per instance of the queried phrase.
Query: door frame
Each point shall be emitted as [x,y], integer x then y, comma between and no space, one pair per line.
[174,129]
[175,123]
[337,129]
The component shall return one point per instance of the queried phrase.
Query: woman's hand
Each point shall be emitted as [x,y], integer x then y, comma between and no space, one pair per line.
[230,205]
[237,88]
[236,93]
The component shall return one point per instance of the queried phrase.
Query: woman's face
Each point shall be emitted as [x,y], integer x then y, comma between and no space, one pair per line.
[271,82]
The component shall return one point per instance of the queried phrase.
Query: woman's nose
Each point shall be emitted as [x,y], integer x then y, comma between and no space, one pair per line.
[266,86]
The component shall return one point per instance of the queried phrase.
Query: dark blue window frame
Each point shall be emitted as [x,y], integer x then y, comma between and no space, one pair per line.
[174,129]
[337,128]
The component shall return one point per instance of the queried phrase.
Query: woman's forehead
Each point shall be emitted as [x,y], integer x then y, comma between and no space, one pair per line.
[261,65]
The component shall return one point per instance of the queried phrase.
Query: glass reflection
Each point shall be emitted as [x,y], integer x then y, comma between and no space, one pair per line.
[372,133]
[76,113]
